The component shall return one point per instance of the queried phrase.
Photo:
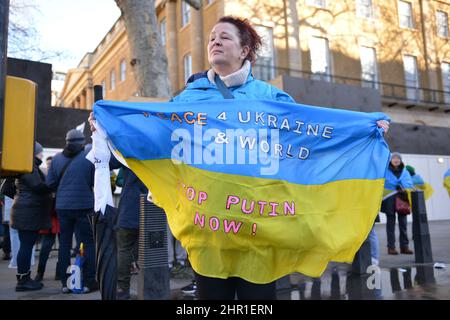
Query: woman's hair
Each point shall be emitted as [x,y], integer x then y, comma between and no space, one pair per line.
[249,36]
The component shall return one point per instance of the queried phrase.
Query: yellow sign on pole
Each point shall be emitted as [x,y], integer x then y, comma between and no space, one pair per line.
[19,126]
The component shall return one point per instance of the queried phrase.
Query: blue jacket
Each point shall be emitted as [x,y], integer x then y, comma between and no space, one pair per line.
[129,203]
[75,190]
[200,88]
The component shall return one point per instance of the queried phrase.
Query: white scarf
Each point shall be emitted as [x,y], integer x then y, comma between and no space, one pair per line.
[237,78]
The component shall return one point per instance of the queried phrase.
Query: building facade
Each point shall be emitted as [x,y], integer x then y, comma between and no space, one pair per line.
[370,55]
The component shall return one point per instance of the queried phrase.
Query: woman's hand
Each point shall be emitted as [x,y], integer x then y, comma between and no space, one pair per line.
[384,125]
[91,120]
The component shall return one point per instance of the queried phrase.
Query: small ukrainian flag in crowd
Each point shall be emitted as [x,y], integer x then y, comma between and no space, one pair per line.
[447,181]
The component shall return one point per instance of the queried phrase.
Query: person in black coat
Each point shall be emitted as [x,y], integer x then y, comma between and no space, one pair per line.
[30,212]
[71,176]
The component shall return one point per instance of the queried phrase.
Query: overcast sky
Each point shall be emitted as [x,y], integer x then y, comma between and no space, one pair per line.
[75,27]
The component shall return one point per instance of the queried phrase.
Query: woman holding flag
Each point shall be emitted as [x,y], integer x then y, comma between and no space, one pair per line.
[232,49]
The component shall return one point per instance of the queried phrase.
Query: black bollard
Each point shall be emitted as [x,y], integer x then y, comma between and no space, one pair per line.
[357,288]
[421,233]
[335,286]
[154,277]
[283,283]
[316,292]
[283,287]
[363,259]
[425,275]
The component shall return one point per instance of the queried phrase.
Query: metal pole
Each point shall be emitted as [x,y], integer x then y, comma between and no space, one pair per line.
[421,234]
[154,277]
[4,20]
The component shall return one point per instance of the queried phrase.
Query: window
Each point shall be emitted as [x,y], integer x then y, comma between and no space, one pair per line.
[185,13]
[320,59]
[162,31]
[103,89]
[123,70]
[364,8]
[187,67]
[442,23]
[112,84]
[405,14]
[264,67]
[317,3]
[369,68]
[411,77]
[445,69]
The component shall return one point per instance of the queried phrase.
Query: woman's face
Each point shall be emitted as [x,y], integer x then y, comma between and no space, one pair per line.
[224,47]
[396,161]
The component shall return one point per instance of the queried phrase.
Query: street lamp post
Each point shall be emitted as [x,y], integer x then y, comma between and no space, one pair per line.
[4,17]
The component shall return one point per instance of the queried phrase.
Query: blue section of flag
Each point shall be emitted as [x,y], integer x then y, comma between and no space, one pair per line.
[404,180]
[339,144]
[447,174]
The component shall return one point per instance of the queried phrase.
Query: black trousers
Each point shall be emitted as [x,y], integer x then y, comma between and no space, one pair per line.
[388,207]
[126,242]
[27,240]
[226,289]
[47,242]
[6,239]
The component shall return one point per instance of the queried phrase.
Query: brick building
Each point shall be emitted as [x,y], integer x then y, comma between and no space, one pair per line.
[369,55]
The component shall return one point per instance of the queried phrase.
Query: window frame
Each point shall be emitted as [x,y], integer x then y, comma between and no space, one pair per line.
[438,26]
[123,70]
[163,31]
[185,14]
[409,88]
[411,24]
[103,88]
[273,51]
[112,80]
[314,3]
[327,75]
[374,84]
[187,58]
[359,12]
[445,82]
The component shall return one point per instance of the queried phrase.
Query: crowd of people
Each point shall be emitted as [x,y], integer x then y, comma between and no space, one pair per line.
[55,201]
[58,202]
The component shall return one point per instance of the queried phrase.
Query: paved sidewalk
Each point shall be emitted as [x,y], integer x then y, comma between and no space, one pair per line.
[401,278]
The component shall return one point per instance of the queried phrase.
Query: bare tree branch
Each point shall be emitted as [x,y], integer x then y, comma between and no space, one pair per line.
[23,38]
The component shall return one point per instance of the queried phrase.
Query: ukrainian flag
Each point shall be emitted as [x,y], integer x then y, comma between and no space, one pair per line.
[391,183]
[422,185]
[256,189]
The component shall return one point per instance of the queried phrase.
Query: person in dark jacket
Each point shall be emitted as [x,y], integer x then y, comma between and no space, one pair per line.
[397,167]
[30,212]
[128,226]
[71,175]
